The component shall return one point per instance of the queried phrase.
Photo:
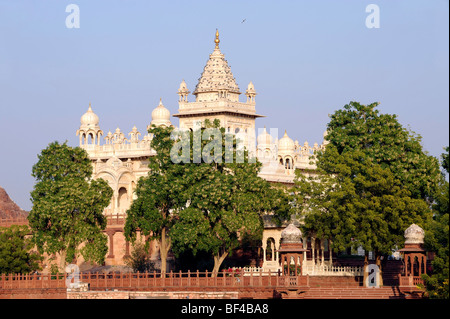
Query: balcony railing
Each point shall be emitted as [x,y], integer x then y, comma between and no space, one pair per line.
[410,281]
[154,280]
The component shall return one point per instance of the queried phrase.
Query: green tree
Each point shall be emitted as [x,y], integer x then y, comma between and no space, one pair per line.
[227,198]
[437,237]
[388,143]
[67,213]
[159,196]
[16,255]
[360,205]
[373,181]
[188,203]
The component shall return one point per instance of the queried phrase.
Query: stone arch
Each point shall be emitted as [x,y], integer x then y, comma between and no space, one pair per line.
[288,162]
[123,201]
[111,179]
[125,184]
[270,249]
[91,136]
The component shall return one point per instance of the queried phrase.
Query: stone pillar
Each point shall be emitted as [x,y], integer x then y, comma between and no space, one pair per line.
[322,248]
[110,234]
[305,244]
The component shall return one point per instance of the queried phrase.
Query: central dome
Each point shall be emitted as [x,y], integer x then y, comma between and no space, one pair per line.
[217,74]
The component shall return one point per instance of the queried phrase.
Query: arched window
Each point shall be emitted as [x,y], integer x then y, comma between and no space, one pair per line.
[270,249]
[90,138]
[124,202]
[287,164]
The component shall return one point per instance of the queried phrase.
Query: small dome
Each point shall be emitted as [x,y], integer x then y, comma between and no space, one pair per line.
[89,118]
[161,115]
[291,234]
[414,235]
[264,138]
[183,87]
[286,144]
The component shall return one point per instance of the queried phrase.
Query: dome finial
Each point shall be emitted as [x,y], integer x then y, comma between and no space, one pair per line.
[217,41]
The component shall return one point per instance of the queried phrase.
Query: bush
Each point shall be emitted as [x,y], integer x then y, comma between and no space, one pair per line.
[139,260]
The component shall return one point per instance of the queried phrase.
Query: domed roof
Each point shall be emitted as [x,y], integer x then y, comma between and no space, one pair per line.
[216,74]
[89,118]
[286,144]
[414,235]
[264,138]
[291,234]
[161,115]
[250,88]
[183,87]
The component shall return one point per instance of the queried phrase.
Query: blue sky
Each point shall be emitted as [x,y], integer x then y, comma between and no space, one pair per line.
[306,59]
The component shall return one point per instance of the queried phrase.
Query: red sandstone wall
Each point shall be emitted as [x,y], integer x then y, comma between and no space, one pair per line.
[335,281]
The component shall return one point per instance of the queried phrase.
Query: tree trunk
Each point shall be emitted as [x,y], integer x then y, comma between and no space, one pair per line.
[164,248]
[62,262]
[378,263]
[365,271]
[218,260]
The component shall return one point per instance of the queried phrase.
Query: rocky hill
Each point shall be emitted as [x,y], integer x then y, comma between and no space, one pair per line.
[9,209]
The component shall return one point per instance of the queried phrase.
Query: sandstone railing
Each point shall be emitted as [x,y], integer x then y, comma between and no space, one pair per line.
[312,270]
[324,270]
[155,281]
[410,281]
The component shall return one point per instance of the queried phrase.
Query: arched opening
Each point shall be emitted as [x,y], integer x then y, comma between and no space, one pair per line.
[123,202]
[270,249]
[90,138]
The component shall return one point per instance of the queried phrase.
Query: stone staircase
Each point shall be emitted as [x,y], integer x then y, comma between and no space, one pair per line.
[354,293]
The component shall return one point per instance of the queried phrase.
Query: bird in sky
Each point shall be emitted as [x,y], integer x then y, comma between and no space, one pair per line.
[243,20]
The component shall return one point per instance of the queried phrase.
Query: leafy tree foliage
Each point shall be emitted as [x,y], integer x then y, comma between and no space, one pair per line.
[16,255]
[359,204]
[388,143]
[227,200]
[437,237]
[67,213]
[159,196]
[202,204]
[373,181]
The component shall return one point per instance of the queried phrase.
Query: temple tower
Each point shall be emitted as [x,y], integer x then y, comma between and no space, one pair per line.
[217,97]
